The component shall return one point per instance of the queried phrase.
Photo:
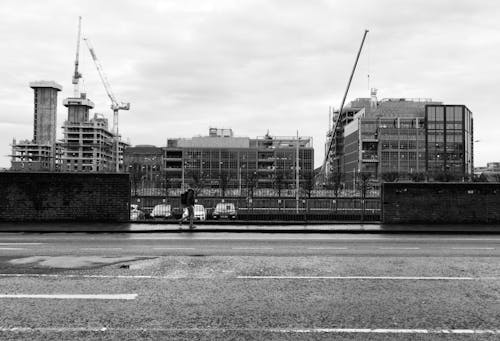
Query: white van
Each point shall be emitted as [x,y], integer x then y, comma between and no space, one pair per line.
[161,211]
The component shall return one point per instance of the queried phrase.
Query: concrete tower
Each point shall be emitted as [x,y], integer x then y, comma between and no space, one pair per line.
[78,108]
[45,112]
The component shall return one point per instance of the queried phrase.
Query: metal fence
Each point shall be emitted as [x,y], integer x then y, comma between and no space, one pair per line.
[258,208]
[149,189]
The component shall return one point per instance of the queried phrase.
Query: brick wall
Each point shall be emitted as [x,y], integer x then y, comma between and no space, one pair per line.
[440,203]
[45,196]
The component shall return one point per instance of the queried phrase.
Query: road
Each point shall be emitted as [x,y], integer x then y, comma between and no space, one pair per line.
[186,286]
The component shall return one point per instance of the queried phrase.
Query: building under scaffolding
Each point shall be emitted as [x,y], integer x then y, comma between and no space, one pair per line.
[88,145]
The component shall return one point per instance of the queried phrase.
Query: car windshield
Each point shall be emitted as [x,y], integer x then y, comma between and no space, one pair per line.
[161,208]
[224,207]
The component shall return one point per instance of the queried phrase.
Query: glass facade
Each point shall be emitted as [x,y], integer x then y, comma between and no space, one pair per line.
[449,140]
[386,145]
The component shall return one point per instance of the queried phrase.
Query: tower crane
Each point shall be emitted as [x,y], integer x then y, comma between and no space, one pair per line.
[77,75]
[115,105]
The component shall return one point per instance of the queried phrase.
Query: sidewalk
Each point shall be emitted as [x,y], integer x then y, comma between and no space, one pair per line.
[337,227]
[250,227]
[344,227]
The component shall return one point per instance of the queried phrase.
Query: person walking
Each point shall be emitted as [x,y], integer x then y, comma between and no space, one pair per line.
[187,201]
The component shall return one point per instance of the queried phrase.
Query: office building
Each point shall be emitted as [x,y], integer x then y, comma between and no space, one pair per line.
[449,141]
[402,139]
[144,163]
[223,160]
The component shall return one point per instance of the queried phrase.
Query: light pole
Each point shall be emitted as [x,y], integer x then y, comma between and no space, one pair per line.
[182,175]
[297,174]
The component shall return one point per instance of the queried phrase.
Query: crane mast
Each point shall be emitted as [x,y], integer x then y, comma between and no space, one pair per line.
[115,105]
[77,75]
[334,129]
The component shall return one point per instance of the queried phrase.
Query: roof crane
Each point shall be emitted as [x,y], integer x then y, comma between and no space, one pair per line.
[115,105]
[334,129]
[77,75]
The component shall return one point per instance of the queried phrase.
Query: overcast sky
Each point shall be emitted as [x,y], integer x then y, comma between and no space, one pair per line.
[252,65]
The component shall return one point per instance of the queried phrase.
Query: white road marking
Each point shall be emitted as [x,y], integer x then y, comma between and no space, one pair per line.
[305,238]
[473,248]
[327,248]
[399,248]
[173,248]
[21,243]
[252,248]
[92,276]
[12,248]
[100,248]
[257,330]
[389,331]
[404,278]
[74,296]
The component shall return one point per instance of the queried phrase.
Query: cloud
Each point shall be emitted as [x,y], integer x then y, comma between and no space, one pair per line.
[249,65]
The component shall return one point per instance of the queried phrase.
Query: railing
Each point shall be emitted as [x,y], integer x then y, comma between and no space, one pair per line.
[262,209]
[146,189]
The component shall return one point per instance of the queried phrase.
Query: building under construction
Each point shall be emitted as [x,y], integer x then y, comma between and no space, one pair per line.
[42,152]
[88,145]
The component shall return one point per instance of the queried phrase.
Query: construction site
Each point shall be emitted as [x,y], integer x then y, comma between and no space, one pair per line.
[88,143]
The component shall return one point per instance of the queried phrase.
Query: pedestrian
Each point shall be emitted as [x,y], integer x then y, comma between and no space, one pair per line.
[187,202]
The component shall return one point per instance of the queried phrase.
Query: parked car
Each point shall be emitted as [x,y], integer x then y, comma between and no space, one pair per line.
[161,211]
[199,213]
[224,210]
[136,214]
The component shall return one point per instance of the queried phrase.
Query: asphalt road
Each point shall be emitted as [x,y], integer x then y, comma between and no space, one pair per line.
[190,286]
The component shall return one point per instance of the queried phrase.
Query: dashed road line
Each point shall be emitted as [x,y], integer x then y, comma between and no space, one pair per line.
[21,243]
[252,248]
[327,248]
[473,248]
[173,248]
[100,248]
[403,278]
[91,276]
[407,331]
[388,331]
[399,248]
[73,296]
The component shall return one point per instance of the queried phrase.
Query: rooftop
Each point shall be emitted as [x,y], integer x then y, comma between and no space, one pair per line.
[46,84]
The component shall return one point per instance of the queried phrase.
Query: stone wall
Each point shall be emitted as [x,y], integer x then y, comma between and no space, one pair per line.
[48,196]
[440,203]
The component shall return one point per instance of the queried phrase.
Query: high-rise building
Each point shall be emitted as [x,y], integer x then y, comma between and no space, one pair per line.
[41,152]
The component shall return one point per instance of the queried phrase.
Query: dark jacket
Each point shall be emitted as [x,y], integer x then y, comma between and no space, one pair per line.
[190,197]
